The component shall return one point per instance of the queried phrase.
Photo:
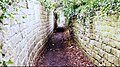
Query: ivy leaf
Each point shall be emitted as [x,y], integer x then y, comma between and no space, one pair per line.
[4,64]
[11,16]
[1,21]
[10,62]
[0,28]
[3,54]
[1,46]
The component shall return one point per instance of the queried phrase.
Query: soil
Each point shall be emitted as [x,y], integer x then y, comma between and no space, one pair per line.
[62,51]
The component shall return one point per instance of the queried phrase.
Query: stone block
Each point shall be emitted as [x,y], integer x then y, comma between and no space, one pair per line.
[22,26]
[24,33]
[111,58]
[103,46]
[101,52]
[106,40]
[96,48]
[107,63]
[96,62]
[15,39]
[115,44]
[115,52]
[116,61]
[108,48]
[23,53]
[97,44]
[98,57]
[105,55]
[119,61]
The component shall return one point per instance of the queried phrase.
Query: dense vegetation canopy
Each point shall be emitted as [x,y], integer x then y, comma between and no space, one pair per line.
[85,8]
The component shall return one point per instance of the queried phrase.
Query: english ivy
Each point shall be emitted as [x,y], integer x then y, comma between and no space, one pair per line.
[84,7]
[4,5]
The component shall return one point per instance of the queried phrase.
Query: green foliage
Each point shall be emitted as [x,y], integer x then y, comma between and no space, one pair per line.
[5,13]
[69,7]
[10,62]
[4,63]
[48,4]
[84,8]
[4,5]
[72,7]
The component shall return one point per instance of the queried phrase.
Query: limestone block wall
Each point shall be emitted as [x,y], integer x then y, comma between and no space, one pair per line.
[25,34]
[102,45]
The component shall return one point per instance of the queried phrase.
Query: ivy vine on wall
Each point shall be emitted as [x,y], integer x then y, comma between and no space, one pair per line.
[86,8]
[5,13]
[4,5]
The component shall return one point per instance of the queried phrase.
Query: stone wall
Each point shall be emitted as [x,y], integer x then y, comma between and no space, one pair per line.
[100,40]
[25,34]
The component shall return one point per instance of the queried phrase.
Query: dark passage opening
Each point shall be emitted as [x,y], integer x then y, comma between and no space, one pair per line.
[60,29]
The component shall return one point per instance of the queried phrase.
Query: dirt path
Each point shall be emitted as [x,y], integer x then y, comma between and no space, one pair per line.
[62,52]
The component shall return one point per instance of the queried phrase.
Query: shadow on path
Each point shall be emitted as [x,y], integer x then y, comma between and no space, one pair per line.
[61,51]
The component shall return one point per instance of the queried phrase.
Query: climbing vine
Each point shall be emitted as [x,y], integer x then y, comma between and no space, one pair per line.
[48,4]
[3,62]
[5,13]
[86,8]
[4,5]
[5,9]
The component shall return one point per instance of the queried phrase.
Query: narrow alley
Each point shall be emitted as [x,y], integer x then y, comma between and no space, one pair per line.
[58,33]
[62,51]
